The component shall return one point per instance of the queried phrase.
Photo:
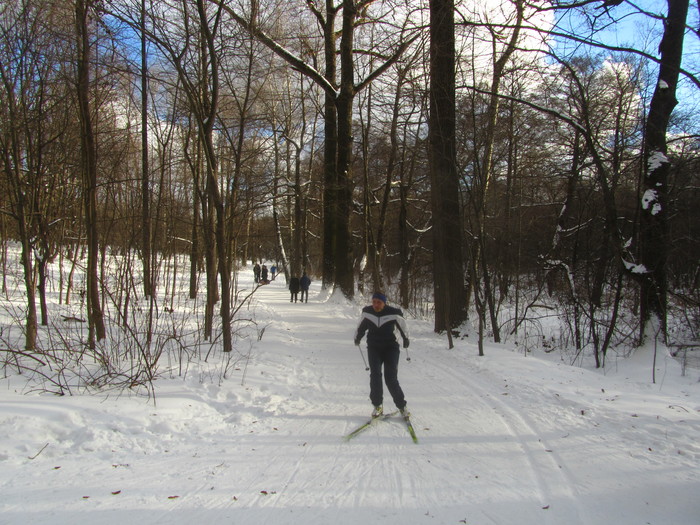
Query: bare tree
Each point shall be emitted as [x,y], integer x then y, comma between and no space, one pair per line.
[17,88]
[655,210]
[83,9]
[289,107]
[448,255]
[339,142]
[195,56]
[504,43]
[148,285]
[654,244]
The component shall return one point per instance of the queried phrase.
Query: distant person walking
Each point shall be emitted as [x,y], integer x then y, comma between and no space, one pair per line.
[273,271]
[304,283]
[379,321]
[263,275]
[256,273]
[294,289]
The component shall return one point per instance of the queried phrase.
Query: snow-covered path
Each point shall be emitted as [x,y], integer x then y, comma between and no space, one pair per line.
[504,439]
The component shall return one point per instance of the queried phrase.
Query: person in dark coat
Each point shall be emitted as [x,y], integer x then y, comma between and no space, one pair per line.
[294,289]
[380,321]
[263,275]
[256,272]
[304,283]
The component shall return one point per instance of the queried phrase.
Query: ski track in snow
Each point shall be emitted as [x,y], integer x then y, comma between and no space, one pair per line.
[389,474]
[548,476]
[493,447]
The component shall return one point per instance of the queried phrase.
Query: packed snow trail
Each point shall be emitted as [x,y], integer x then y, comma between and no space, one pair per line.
[504,439]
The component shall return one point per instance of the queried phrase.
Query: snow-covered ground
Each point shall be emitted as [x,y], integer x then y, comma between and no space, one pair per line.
[504,439]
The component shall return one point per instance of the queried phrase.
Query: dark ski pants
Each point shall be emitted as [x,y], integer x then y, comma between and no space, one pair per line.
[389,357]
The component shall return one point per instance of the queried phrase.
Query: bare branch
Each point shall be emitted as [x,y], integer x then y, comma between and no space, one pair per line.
[281,51]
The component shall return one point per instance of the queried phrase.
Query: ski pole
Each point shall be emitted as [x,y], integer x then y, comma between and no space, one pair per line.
[363,357]
[405,347]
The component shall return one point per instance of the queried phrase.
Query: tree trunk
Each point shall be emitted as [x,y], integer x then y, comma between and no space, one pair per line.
[29,281]
[449,289]
[338,183]
[330,147]
[390,168]
[211,101]
[655,211]
[89,172]
[404,246]
[372,245]
[279,237]
[297,252]
[145,186]
[487,170]
[195,255]
[344,275]
[12,153]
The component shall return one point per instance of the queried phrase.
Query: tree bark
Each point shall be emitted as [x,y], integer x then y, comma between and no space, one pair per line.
[207,119]
[330,147]
[655,211]
[344,276]
[487,170]
[448,259]
[89,172]
[145,186]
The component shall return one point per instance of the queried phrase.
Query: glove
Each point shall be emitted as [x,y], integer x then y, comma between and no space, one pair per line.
[357,341]
[405,342]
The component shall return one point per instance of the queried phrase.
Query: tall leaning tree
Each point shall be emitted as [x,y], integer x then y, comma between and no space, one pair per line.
[448,260]
[655,210]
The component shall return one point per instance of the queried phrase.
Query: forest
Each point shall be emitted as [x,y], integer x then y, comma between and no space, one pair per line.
[491,165]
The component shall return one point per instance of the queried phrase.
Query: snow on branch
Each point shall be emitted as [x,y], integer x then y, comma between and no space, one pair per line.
[638,269]
[290,57]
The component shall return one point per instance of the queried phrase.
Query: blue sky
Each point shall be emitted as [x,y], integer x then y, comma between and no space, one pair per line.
[632,25]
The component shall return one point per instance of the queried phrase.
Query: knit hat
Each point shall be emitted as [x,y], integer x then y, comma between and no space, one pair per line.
[379,296]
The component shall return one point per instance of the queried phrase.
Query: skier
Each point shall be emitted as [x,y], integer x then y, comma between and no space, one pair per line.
[304,282]
[379,321]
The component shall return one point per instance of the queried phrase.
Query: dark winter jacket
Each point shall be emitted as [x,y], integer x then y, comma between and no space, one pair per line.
[305,282]
[380,327]
[294,285]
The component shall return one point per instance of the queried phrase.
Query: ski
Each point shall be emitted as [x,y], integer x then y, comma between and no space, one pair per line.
[368,424]
[409,426]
